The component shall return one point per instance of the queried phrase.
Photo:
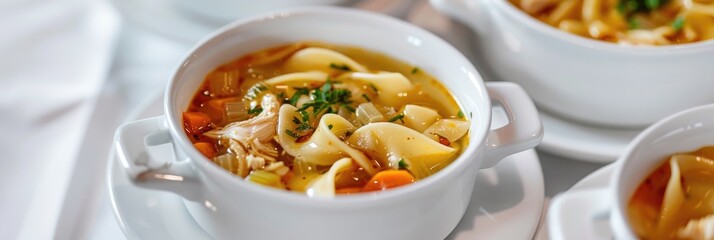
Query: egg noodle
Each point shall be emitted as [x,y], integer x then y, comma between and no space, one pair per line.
[628,22]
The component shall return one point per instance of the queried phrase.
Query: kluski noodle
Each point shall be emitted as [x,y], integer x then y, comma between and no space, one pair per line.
[324,120]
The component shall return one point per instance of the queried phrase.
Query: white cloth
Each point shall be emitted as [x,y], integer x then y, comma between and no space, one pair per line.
[54,57]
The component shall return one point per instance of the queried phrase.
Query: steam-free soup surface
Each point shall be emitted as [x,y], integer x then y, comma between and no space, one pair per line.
[325,119]
[676,200]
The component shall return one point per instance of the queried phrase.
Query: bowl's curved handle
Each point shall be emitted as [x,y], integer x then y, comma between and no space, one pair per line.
[574,215]
[146,151]
[524,129]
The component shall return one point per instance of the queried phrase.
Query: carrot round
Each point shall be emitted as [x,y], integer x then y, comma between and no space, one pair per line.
[388,179]
[194,122]
[348,190]
[206,149]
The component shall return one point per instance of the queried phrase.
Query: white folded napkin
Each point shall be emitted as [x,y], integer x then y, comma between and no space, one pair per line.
[54,55]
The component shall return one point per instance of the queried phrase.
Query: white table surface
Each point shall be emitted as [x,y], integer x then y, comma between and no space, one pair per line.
[142,65]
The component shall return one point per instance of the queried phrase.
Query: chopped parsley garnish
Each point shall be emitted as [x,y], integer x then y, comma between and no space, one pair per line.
[629,7]
[403,164]
[300,91]
[328,99]
[366,97]
[255,90]
[678,23]
[460,114]
[633,23]
[341,67]
[374,88]
[305,116]
[415,70]
[296,120]
[255,111]
[291,133]
[397,117]
[281,96]
[329,126]
[303,127]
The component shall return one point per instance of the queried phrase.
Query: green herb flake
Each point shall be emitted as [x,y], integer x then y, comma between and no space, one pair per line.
[397,117]
[329,126]
[291,133]
[296,120]
[633,23]
[366,97]
[305,116]
[374,88]
[653,4]
[300,91]
[341,67]
[460,114]
[678,23]
[403,164]
[415,70]
[303,127]
[255,111]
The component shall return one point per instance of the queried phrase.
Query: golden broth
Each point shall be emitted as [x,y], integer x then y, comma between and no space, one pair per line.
[645,209]
[230,85]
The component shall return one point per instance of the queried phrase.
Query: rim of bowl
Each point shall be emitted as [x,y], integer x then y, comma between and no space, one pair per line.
[636,146]
[534,23]
[456,167]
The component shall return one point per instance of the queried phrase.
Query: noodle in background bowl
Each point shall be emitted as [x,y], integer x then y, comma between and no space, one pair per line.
[573,215]
[228,207]
[583,79]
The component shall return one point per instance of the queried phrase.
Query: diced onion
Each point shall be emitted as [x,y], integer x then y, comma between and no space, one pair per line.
[227,161]
[237,111]
[450,129]
[368,113]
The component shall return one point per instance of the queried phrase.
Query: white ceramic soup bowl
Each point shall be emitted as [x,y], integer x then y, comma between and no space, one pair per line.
[583,79]
[574,215]
[228,207]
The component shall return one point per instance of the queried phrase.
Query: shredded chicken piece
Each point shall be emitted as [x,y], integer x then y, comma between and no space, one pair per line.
[250,140]
[702,228]
[262,127]
[277,168]
[255,162]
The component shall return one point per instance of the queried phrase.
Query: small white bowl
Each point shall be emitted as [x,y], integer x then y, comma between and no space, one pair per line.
[584,79]
[574,215]
[228,207]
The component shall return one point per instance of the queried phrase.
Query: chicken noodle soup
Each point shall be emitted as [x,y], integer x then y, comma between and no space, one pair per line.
[676,200]
[325,120]
[633,22]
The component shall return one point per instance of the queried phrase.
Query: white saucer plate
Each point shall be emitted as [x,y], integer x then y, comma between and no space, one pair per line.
[506,205]
[165,18]
[599,179]
[583,142]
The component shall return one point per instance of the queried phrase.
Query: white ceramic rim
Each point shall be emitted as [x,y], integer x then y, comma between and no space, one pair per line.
[618,206]
[455,168]
[551,31]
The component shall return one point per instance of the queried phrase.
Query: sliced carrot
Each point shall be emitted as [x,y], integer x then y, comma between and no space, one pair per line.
[194,122]
[348,190]
[207,149]
[388,179]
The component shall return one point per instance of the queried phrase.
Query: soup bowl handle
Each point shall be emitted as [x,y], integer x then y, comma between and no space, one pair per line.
[147,154]
[524,129]
[575,215]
